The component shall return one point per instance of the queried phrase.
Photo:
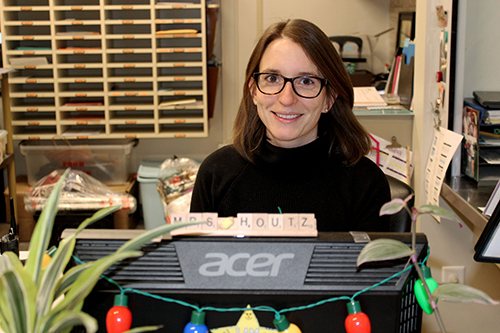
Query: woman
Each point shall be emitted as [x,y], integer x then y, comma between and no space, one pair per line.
[297,146]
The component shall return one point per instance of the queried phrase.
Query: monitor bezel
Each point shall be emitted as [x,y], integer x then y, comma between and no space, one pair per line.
[487,236]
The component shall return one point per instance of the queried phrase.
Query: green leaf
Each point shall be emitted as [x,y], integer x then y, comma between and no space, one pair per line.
[69,278]
[43,230]
[4,313]
[456,292]
[383,249]
[144,329]
[438,211]
[97,216]
[67,320]
[392,207]
[19,292]
[88,278]
[5,308]
[72,274]
[18,298]
[51,276]
[149,235]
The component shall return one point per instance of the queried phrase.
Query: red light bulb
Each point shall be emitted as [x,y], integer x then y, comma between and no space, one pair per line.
[357,321]
[119,317]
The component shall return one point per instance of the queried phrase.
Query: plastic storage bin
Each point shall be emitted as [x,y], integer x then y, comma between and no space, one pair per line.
[106,160]
[152,207]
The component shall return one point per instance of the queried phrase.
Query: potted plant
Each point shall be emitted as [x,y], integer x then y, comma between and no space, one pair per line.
[427,291]
[35,298]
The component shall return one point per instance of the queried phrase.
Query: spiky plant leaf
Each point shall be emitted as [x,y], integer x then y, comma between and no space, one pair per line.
[5,310]
[144,329]
[86,281]
[67,320]
[51,276]
[72,274]
[383,249]
[147,236]
[19,289]
[69,278]
[55,268]
[456,292]
[8,263]
[43,229]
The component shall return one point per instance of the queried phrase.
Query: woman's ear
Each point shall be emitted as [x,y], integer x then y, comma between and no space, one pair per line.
[329,102]
[253,92]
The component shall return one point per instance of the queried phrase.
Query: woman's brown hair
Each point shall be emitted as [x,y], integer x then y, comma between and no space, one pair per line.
[339,125]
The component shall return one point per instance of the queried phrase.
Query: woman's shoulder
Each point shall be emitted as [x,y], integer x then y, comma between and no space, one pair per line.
[227,152]
[222,158]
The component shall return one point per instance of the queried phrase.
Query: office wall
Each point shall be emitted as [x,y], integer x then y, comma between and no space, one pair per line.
[450,244]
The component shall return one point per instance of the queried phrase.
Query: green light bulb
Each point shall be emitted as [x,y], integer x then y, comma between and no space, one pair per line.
[420,293]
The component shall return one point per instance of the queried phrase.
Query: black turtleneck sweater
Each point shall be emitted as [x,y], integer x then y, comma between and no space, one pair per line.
[294,180]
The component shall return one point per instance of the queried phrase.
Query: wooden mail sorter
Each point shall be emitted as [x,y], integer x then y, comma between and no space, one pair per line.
[106,68]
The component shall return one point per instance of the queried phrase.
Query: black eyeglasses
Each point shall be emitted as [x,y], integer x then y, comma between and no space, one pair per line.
[305,86]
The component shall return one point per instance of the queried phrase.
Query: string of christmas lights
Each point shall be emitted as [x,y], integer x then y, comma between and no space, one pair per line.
[119,317]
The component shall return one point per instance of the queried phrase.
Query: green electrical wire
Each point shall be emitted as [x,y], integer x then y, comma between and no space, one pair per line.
[259,308]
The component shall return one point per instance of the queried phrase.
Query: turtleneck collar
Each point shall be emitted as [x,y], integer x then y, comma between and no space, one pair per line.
[306,157]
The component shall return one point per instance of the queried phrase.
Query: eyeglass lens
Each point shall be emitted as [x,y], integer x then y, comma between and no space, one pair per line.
[304,86]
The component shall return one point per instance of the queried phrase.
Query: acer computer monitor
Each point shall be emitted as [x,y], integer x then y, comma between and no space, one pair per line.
[282,273]
[487,248]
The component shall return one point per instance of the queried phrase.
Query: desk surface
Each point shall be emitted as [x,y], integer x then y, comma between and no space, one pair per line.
[464,197]
[380,111]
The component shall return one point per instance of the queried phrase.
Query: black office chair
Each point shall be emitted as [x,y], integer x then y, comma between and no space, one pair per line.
[401,221]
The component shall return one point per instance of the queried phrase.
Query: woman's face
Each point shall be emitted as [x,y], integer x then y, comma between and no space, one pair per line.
[291,121]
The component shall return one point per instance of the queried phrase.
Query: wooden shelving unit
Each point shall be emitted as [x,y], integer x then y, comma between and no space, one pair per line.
[106,68]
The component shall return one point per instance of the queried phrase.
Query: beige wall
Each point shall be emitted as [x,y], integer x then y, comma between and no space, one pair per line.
[451,245]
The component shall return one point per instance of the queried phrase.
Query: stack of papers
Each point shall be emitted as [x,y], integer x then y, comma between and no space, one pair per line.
[367,96]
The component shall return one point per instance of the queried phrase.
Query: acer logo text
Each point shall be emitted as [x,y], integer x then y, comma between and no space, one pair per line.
[243,264]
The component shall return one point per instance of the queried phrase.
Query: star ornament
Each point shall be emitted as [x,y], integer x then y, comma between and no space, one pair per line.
[247,323]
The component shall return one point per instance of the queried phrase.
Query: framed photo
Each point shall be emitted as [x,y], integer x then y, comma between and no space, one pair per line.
[406,28]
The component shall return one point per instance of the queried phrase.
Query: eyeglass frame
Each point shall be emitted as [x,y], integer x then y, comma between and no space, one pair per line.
[324,82]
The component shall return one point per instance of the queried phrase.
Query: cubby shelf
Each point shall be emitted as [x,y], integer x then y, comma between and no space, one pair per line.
[106,68]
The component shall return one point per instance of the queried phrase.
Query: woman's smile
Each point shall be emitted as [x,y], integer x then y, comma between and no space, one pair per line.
[286,116]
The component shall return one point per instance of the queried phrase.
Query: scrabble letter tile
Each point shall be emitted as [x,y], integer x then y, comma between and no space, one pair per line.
[260,221]
[211,219]
[244,221]
[275,221]
[307,221]
[291,221]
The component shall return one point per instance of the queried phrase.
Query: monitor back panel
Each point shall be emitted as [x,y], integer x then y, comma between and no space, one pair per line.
[283,273]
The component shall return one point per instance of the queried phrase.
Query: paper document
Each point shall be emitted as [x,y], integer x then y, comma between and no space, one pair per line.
[367,96]
[444,145]
[395,162]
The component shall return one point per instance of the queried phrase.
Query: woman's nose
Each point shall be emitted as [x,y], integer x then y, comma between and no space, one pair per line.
[287,95]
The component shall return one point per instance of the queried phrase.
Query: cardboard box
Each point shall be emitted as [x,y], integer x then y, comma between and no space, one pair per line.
[26,221]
